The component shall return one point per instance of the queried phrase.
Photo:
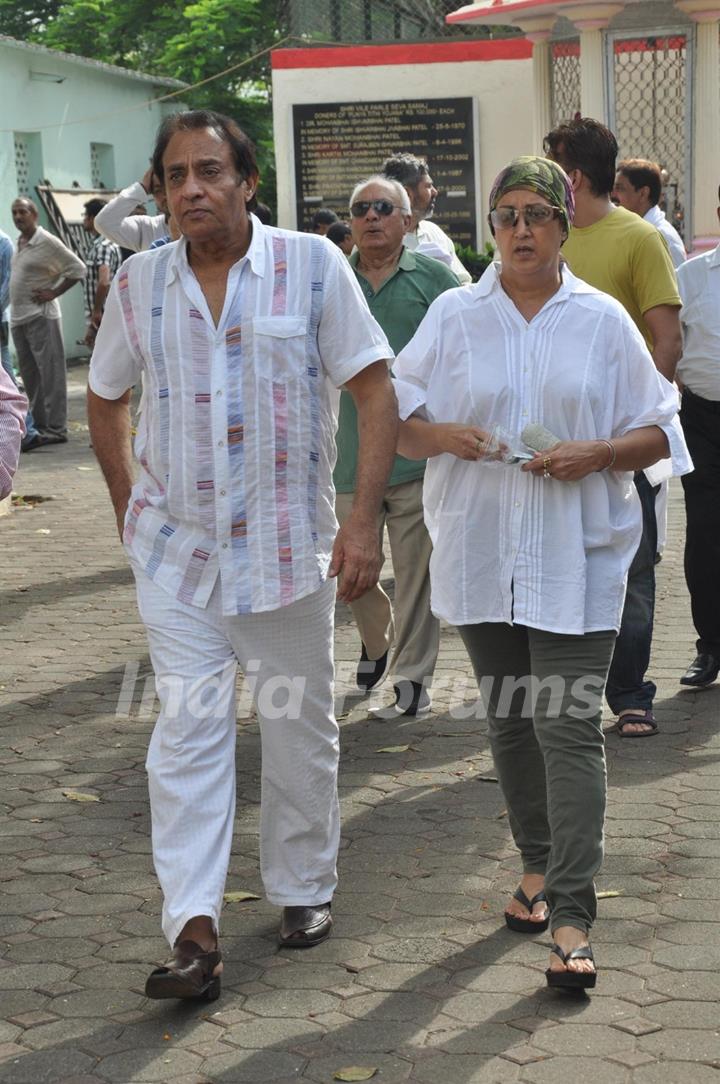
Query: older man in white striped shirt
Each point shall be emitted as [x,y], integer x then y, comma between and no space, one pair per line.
[13,406]
[237,330]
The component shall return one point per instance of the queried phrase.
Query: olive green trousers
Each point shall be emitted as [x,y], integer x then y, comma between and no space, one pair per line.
[543,692]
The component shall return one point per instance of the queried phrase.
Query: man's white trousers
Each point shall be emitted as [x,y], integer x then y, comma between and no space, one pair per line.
[287,657]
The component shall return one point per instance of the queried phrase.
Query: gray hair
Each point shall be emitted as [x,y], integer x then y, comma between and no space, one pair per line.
[401,197]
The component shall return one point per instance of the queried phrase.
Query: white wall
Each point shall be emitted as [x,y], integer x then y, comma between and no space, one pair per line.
[501,88]
[105,105]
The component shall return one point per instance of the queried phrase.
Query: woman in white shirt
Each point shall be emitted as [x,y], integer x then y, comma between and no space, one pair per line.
[530,559]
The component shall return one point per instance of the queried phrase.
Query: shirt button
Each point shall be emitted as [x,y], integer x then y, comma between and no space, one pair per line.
[224,545]
[221,443]
[518,504]
[222,492]
[218,392]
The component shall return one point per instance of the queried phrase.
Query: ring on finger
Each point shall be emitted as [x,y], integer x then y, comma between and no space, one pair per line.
[547,463]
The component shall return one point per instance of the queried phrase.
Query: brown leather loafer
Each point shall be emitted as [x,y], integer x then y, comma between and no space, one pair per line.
[303,927]
[188,975]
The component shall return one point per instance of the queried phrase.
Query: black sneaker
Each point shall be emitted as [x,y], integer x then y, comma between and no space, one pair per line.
[370,671]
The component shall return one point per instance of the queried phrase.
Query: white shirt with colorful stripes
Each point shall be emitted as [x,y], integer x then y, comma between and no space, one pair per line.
[236,439]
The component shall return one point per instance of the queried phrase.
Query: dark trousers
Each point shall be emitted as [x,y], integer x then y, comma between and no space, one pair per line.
[626,685]
[700,420]
[41,360]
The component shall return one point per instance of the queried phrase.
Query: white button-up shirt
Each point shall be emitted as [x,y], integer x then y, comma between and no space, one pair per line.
[430,240]
[236,437]
[508,545]
[43,262]
[699,286]
[117,222]
[674,241]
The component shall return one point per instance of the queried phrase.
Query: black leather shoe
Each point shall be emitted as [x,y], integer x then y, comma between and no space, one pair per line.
[370,671]
[29,444]
[411,700]
[703,671]
[190,974]
[303,927]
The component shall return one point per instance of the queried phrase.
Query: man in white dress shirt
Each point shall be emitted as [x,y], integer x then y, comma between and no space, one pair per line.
[236,331]
[638,188]
[699,375]
[118,222]
[424,236]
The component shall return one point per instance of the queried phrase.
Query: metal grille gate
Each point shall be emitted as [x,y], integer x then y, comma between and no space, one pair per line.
[650,109]
[565,70]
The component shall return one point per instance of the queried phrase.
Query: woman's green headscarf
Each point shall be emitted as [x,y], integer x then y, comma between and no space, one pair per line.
[540,175]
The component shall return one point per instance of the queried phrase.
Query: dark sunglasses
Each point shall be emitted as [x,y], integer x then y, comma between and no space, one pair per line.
[535,214]
[381,206]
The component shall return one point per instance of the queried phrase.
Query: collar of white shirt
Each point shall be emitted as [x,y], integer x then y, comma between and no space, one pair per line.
[36,237]
[655,216]
[255,254]
[489,282]
[713,257]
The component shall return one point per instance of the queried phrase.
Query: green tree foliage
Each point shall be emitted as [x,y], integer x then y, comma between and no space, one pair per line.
[169,38]
[24,20]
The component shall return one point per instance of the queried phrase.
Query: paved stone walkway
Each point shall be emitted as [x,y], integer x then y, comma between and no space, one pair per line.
[421,980]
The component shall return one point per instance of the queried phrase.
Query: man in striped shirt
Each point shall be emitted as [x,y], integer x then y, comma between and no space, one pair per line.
[103,260]
[236,331]
[13,406]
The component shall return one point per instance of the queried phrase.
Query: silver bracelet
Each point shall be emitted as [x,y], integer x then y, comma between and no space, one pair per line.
[613,453]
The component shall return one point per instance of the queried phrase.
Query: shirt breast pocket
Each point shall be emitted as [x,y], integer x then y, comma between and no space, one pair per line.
[280,349]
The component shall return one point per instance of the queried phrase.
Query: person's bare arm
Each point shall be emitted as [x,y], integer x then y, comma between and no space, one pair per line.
[356,556]
[109,422]
[419,439]
[571,460]
[50,293]
[103,289]
[663,322]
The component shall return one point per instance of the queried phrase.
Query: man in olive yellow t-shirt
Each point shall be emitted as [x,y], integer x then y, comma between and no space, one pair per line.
[619,253]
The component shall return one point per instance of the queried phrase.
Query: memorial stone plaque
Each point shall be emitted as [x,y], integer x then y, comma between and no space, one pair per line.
[339,144]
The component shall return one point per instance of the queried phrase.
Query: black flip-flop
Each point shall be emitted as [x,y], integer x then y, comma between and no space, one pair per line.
[527,925]
[647,718]
[572,980]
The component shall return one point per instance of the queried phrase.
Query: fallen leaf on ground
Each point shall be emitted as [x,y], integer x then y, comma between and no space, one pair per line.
[28,500]
[393,749]
[78,796]
[355,1072]
[501,815]
[239,897]
[485,779]
[609,895]
[86,468]
[43,530]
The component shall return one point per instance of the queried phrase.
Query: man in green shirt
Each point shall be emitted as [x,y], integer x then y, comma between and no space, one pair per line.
[399,287]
